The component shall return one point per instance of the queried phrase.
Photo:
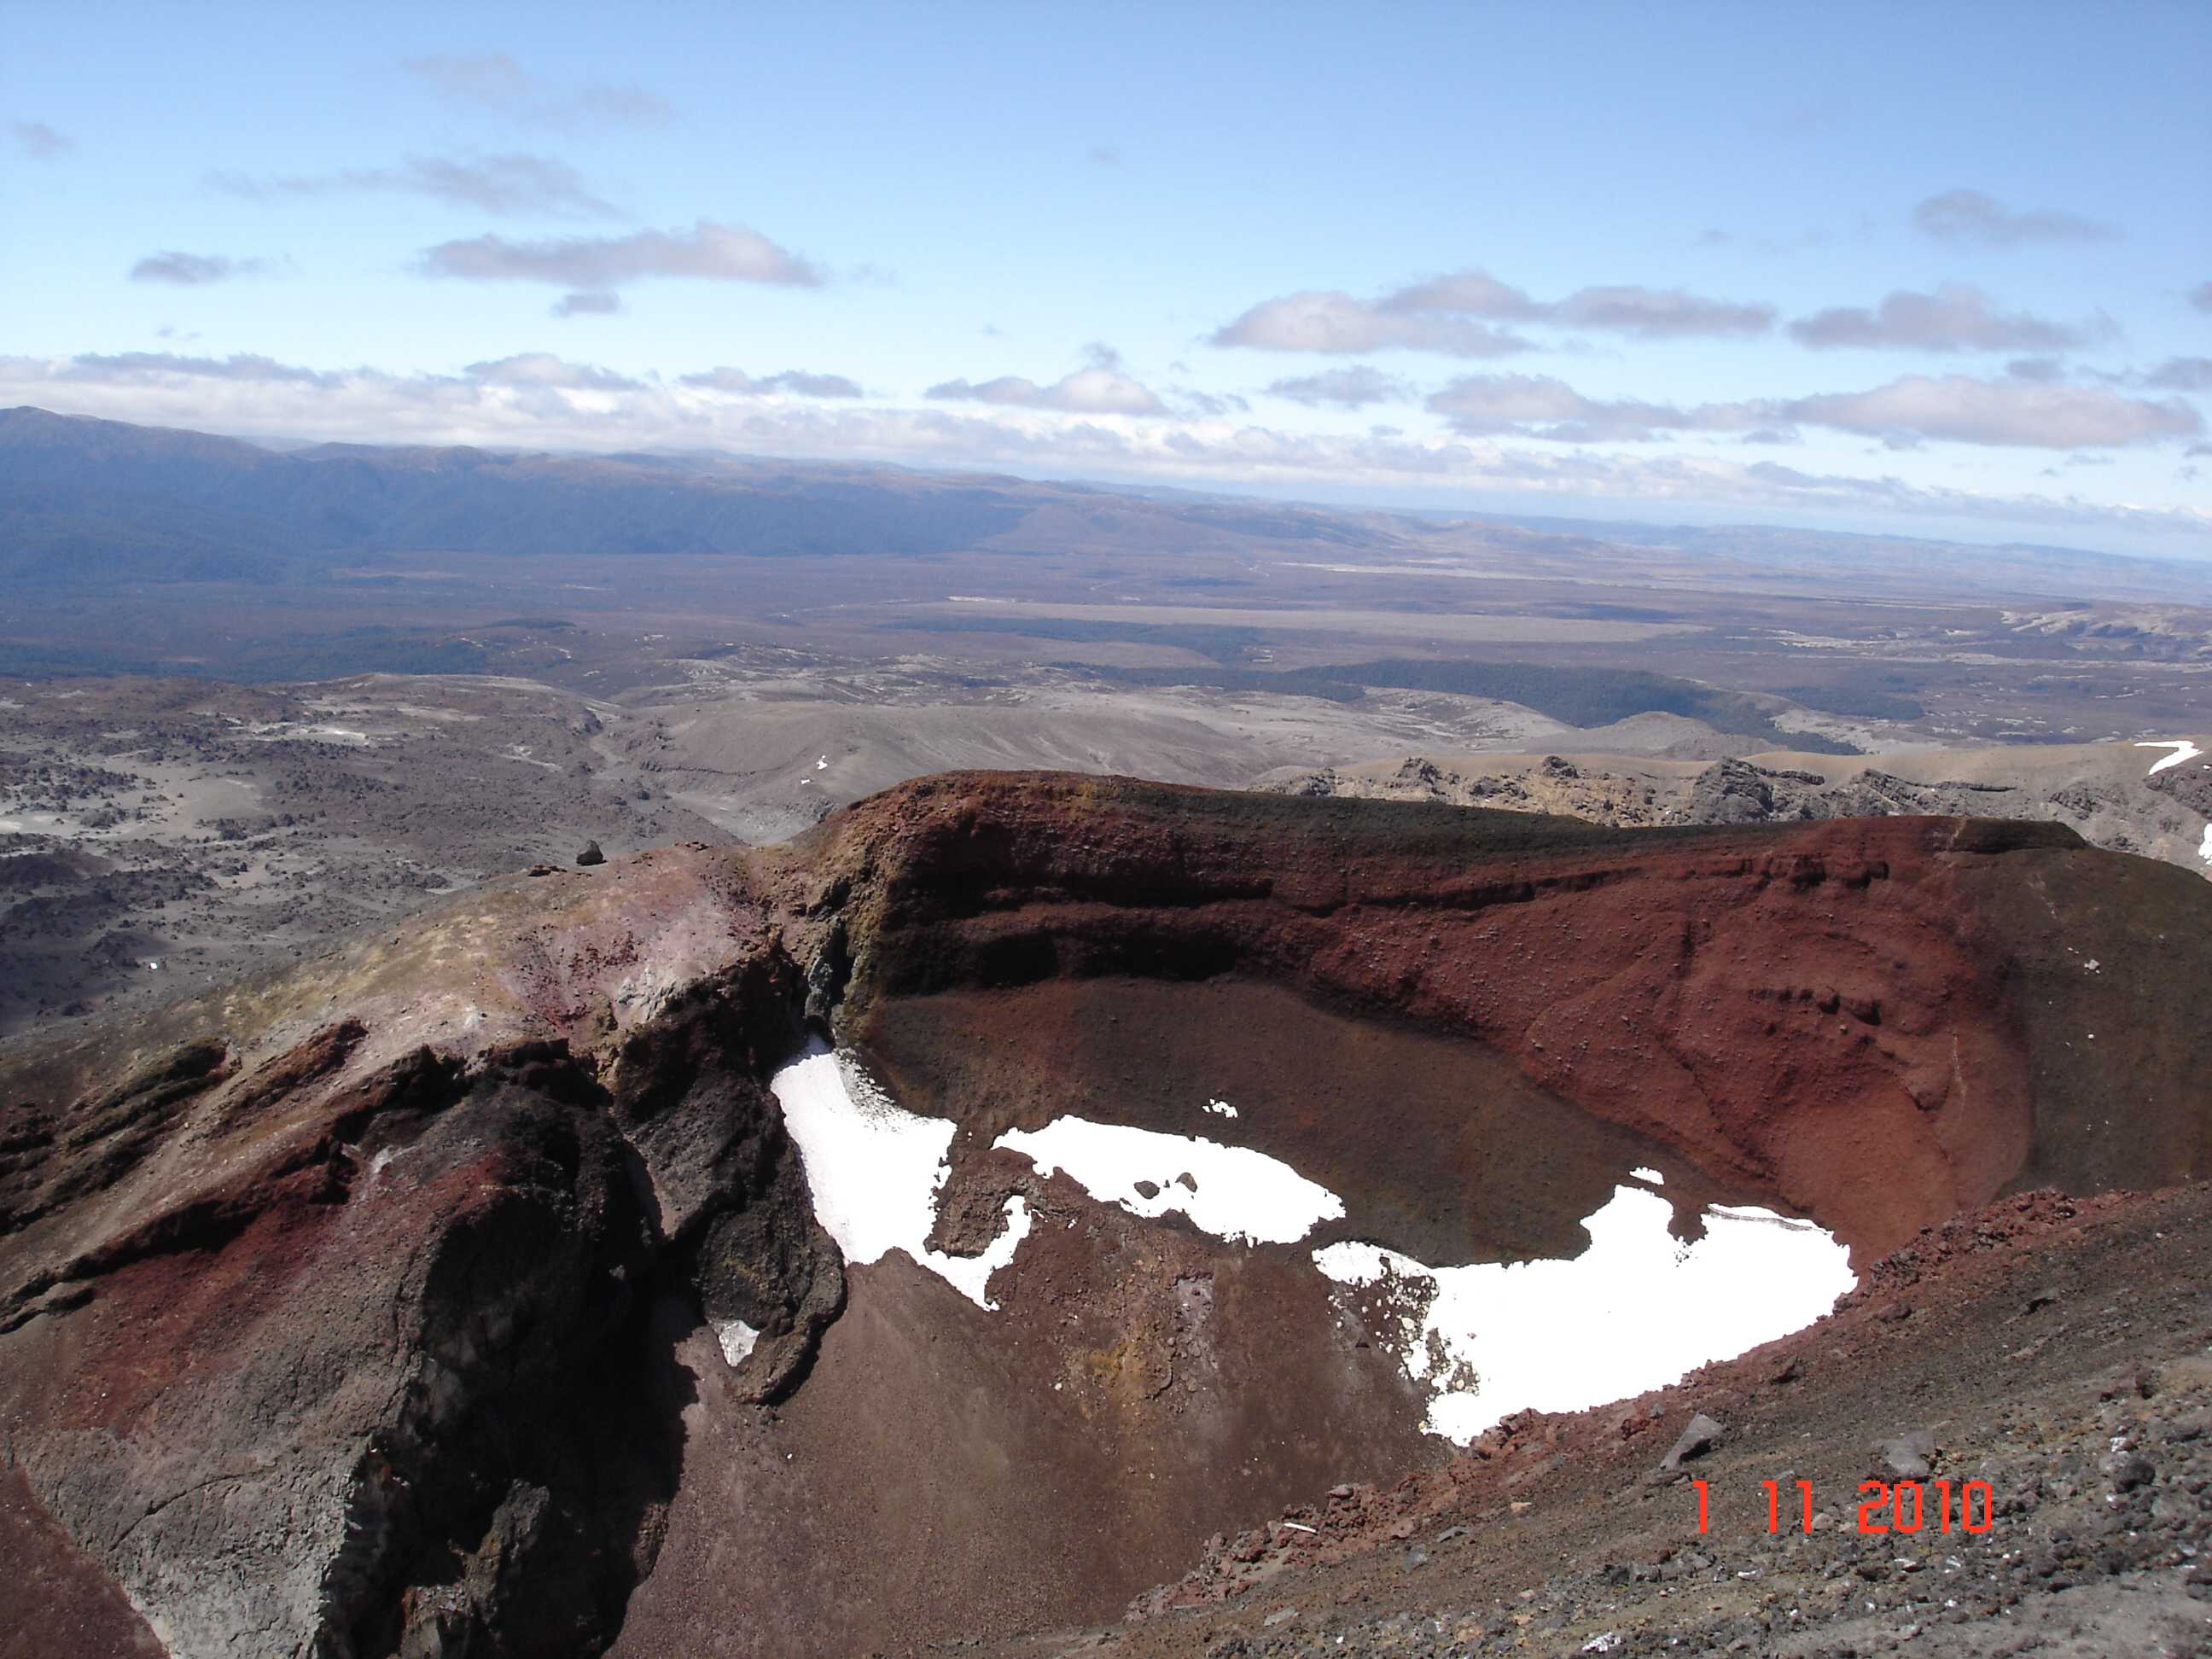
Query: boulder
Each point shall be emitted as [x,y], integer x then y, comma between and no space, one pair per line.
[1700,1437]
[1909,1456]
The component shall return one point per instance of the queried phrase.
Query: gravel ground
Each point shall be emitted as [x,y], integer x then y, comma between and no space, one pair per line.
[2059,1350]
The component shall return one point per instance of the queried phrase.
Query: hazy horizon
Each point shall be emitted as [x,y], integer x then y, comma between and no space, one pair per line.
[1599,512]
[1687,266]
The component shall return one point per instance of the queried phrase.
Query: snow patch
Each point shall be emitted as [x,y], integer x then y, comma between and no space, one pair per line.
[1240,1194]
[821,765]
[1637,1310]
[737,1339]
[1651,1176]
[2183,749]
[874,1171]
[2205,851]
[1220,1109]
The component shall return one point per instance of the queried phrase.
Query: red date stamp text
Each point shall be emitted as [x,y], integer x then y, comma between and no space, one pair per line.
[1902,1506]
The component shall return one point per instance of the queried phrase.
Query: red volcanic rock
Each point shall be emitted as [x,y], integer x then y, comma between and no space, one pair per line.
[371,1306]
[1875,1022]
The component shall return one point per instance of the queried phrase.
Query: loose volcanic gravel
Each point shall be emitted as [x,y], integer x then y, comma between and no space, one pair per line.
[2058,1349]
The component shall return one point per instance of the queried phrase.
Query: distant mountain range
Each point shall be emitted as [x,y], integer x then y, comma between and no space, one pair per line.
[97,499]
[90,498]
[85,501]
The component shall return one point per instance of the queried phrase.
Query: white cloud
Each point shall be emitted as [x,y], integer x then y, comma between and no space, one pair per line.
[597,265]
[542,368]
[193,270]
[736,383]
[494,81]
[1955,317]
[2177,374]
[587,302]
[1916,409]
[1086,392]
[1190,400]
[1969,216]
[521,185]
[1457,314]
[1354,387]
[1472,293]
[1659,314]
[147,368]
[1540,406]
[1963,409]
[40,141]
[1337,322]
[1101,388]
[2172,374]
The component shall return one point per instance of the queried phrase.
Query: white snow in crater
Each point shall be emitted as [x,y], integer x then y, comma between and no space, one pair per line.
[1636,1310]
[2205,851]
[1240,1194]
[737,1339]
[874,1169]
[821,765]
[2183,749]
[1220,1109]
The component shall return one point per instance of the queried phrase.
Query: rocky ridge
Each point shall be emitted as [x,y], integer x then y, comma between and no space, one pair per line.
[2137,816]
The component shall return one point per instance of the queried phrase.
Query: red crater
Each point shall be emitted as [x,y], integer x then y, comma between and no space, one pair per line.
[373,1307]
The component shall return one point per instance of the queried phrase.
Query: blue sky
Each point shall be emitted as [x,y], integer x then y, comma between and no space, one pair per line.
[1941,270]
